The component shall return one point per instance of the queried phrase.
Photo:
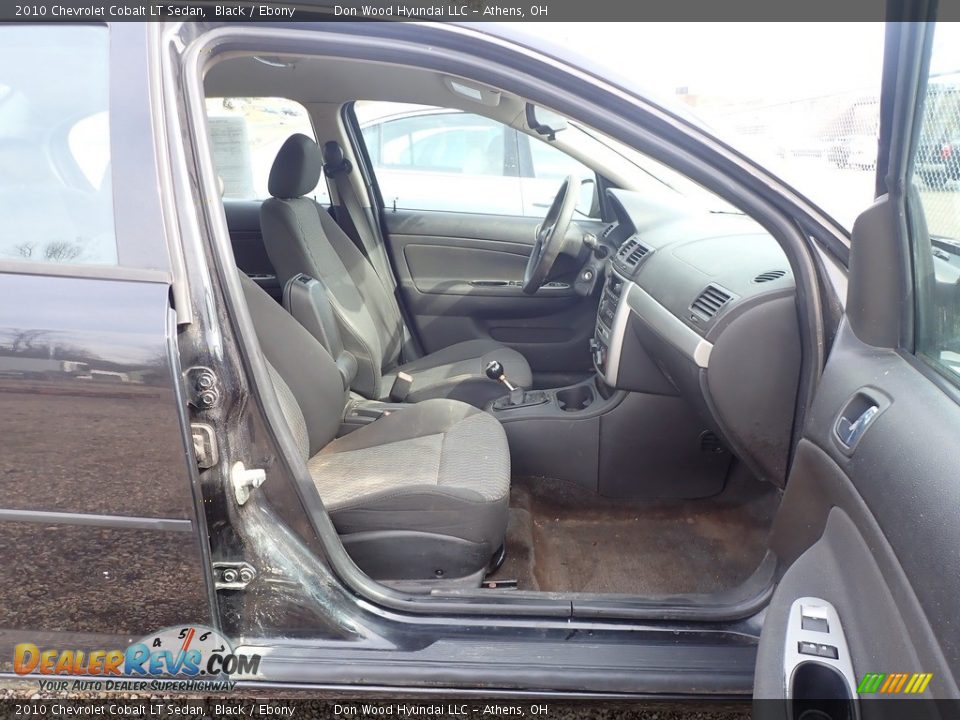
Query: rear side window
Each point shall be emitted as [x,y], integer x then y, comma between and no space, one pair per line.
[56,199]
[246,134]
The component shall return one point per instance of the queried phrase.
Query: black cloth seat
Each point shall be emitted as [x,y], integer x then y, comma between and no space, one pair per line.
[301,237]
[421,493]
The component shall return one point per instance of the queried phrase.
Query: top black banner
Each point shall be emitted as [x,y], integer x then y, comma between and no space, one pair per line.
[259,11]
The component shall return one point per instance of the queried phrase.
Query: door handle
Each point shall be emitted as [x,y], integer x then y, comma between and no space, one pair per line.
[858,414]
[850,431]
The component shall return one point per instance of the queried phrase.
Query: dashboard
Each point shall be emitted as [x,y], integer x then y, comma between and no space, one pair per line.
[702,304]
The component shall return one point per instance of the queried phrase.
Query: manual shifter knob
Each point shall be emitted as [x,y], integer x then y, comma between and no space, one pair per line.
[494,371]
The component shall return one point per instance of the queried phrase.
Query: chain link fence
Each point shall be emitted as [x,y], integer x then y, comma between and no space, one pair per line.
[937,165]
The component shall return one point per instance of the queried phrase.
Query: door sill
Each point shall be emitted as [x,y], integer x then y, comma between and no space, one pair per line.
[736,603]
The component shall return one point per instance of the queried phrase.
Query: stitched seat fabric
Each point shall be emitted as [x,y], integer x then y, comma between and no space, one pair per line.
[440,469]
[421,493]
[301,237]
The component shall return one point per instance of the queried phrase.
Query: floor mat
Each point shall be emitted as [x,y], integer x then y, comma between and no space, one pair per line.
[562,537]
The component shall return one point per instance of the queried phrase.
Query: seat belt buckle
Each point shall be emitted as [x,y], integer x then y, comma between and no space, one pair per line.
[401,387]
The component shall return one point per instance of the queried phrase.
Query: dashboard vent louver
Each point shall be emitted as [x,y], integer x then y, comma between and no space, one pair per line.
[710,301]
[769,276]
[607,230]
[631,252]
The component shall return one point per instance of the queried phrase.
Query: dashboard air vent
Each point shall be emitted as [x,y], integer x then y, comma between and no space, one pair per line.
[607,230]
[710,301]
[631,253]
[768,276]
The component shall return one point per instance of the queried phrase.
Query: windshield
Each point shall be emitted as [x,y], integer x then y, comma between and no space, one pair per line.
[800,99]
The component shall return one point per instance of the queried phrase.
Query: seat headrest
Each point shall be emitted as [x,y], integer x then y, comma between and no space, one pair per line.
[334,161]
[296,169]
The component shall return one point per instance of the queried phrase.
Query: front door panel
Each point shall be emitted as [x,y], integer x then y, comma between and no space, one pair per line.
[460,277]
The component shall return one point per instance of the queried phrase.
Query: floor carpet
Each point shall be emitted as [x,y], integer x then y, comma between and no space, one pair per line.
[562,537]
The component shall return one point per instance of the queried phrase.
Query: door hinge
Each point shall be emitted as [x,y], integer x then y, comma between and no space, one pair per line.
[204,445]
[245,481]
[233,575]
[203,388]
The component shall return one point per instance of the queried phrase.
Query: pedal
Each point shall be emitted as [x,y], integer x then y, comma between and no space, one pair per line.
[499,584]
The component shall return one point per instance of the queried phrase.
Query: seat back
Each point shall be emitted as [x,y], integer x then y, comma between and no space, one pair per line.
[301,237]
[306,378]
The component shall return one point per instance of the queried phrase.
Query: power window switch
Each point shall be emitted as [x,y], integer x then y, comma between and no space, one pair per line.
[817,650]
[817,624]
[807,648]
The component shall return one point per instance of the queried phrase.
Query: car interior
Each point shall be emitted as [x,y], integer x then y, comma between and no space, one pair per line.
[594,394]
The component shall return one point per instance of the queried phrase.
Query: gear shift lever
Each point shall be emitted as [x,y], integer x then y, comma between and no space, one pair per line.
[494,371]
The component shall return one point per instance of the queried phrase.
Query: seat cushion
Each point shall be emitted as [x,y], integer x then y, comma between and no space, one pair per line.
[456,373]
[438,467]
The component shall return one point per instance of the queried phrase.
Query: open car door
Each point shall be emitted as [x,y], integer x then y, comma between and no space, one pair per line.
[867,535]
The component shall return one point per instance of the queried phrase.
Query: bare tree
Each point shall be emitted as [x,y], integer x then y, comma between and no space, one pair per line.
[25,250]
[22,341]
[61,251]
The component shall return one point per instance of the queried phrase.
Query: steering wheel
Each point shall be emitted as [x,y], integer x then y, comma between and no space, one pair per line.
[550,235]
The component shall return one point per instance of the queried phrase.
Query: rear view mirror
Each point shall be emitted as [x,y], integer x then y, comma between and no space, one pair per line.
[545,122]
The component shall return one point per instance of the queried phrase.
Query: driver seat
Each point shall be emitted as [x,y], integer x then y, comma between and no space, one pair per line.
[301,237]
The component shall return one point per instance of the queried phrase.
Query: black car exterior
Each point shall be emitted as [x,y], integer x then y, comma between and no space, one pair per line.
[128,401]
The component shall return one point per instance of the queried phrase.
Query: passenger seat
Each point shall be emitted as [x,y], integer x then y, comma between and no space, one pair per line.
[300,237]
[420,494]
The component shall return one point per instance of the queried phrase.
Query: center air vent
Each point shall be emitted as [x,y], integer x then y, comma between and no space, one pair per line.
[631,253]
[710,301]
[768,276]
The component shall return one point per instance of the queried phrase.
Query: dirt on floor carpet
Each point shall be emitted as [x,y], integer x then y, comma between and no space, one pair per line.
[563,537]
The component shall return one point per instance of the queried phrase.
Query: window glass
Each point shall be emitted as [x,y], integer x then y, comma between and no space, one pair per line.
[550,163]
[936,176]
[802,99]
[428,158]
[246,134]
[549,166]
[55,195]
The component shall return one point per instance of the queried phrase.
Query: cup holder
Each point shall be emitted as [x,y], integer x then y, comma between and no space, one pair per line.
[820,692]
[575,398]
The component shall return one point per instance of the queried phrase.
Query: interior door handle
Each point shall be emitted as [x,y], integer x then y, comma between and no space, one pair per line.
[857,416]
[850,431]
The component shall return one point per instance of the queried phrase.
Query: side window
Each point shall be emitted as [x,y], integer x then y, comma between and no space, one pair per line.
[55,192]
[936,175]
[246,134]
[439,159]
[549,166]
